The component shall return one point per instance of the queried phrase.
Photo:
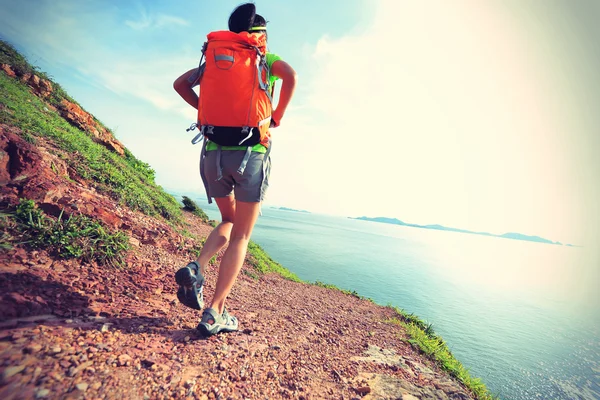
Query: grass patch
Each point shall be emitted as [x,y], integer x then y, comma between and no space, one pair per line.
[348,292]
[191,206]
[19,64]
[76,237]
[126,179]
[423,337]
[263,263]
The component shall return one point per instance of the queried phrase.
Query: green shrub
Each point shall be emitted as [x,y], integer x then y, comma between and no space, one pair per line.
[191,206]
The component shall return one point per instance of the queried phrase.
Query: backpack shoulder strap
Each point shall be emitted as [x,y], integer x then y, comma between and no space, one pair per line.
[194,79]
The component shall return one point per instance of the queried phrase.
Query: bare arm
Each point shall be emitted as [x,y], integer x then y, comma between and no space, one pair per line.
[185,88]
[285,72]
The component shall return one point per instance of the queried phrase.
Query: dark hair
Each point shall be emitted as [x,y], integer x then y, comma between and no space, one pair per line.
[242,18]
[259,20]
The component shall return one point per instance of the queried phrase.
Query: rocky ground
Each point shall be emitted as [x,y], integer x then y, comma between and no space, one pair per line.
[82,331]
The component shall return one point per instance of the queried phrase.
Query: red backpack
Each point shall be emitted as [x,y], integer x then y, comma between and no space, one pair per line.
[234,106]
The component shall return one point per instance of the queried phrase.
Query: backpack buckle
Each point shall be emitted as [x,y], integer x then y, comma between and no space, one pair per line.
[245,131]
[199,136]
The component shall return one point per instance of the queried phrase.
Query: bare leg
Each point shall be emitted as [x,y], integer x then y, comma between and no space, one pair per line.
[233,259]
[219,237]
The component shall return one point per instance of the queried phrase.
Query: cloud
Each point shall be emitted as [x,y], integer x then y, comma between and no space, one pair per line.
[155,22]
[437,112]
[145,78]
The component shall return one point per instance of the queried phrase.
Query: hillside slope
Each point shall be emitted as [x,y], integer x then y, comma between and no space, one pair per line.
[89,246]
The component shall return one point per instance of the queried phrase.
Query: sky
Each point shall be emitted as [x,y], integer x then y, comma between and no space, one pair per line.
[470,114]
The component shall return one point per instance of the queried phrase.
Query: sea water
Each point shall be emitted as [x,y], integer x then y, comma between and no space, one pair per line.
[522,316]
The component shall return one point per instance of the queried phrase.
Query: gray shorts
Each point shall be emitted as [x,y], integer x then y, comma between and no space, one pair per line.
[251,186]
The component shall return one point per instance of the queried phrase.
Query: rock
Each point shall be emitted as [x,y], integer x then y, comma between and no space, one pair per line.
[11,371]
[32,348]
[407,396]
[41,87]
[124,359]
[6,68]
[42,393]
[81,119]
[82,386]
[55,350]
[363,390]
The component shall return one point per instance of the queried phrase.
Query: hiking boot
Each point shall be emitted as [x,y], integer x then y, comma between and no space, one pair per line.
[213,323]
[190,282]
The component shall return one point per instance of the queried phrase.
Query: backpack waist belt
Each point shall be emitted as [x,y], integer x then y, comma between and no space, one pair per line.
[231,135]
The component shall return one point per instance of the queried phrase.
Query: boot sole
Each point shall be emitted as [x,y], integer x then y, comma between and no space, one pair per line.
[209,330]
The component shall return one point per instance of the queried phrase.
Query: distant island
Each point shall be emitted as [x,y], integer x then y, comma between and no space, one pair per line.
[509,235]
[291,209]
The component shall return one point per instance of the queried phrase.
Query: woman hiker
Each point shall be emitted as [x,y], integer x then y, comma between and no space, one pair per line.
[235,176]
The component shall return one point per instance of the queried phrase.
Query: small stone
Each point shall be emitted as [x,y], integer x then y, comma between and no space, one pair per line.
[82,386]
[32,348]
[189,384]
[186,339]
[104,328]
[11,371]
[55,350]
[124,359]
[408,396]
[68,321]
[40,394]
[363,390]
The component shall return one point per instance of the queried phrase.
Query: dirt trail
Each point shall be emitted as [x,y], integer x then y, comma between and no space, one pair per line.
[74,331]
